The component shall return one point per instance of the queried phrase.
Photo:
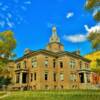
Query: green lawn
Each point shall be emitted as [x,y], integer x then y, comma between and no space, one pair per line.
[2,93]
[54,95]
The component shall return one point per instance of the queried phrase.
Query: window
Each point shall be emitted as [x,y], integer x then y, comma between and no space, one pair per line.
[18,65]
[24,64]
[46,86]
[34,62]
[54,63]
[73,77]
[80,64]
[46,63]
[62,86]
[35,76]
[54,76]
[31,77]
[17,77]
[55,86]
[61,64]
[46,75]
[34,86]
[72,64]
[61,76]
[46,57]
[86,65]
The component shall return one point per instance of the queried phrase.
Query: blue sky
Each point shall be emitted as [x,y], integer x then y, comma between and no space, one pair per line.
[32,20]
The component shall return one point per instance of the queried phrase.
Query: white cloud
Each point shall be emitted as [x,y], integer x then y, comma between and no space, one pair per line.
[69,15]
[95,28]
[75,38]
[97,9]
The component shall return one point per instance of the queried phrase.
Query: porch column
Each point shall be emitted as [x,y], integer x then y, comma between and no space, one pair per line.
[20,78]
[85,77]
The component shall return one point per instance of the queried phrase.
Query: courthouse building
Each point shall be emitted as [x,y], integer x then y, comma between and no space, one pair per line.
[50,68]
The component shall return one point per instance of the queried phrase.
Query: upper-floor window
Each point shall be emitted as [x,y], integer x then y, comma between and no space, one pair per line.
[80,63]
[61,64]
[34,62]
[86,65]
[46,57]
[61,76]
[46,63]
[18,65]
[24,64]
[72,64]
[46,75]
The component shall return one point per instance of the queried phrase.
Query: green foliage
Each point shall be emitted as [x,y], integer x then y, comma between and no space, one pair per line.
[7,44]
[96,67]
[4,81]
[94,38]
[98,62]
[90,4]
[97,16]
[94,5]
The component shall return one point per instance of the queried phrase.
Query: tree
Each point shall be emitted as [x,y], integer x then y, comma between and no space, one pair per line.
[4,81]
[94,5]
[95,61]
[7,45]
[94,38]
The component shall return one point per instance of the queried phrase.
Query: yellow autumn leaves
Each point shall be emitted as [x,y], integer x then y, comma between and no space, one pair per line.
[95,60]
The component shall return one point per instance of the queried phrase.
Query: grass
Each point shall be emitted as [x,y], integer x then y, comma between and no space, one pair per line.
[55,95]
[2,93]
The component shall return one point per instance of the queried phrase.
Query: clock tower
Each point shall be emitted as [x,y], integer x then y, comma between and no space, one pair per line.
[54,42]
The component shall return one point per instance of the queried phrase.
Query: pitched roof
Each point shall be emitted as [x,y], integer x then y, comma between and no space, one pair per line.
[50,53]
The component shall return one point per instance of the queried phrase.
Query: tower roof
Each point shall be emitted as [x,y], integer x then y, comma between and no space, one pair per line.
[54,37]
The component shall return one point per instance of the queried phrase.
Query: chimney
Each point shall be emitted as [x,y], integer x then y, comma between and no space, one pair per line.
[78,52]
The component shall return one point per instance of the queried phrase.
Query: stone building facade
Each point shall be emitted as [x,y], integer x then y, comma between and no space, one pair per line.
[51,68]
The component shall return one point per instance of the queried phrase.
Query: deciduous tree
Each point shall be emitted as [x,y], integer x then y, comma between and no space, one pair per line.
[7,45]
[94,5]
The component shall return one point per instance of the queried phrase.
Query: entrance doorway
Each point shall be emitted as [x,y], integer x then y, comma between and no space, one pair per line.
[24,79]
[81,75]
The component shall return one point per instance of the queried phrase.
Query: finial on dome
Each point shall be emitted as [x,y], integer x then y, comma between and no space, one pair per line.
[54,29]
